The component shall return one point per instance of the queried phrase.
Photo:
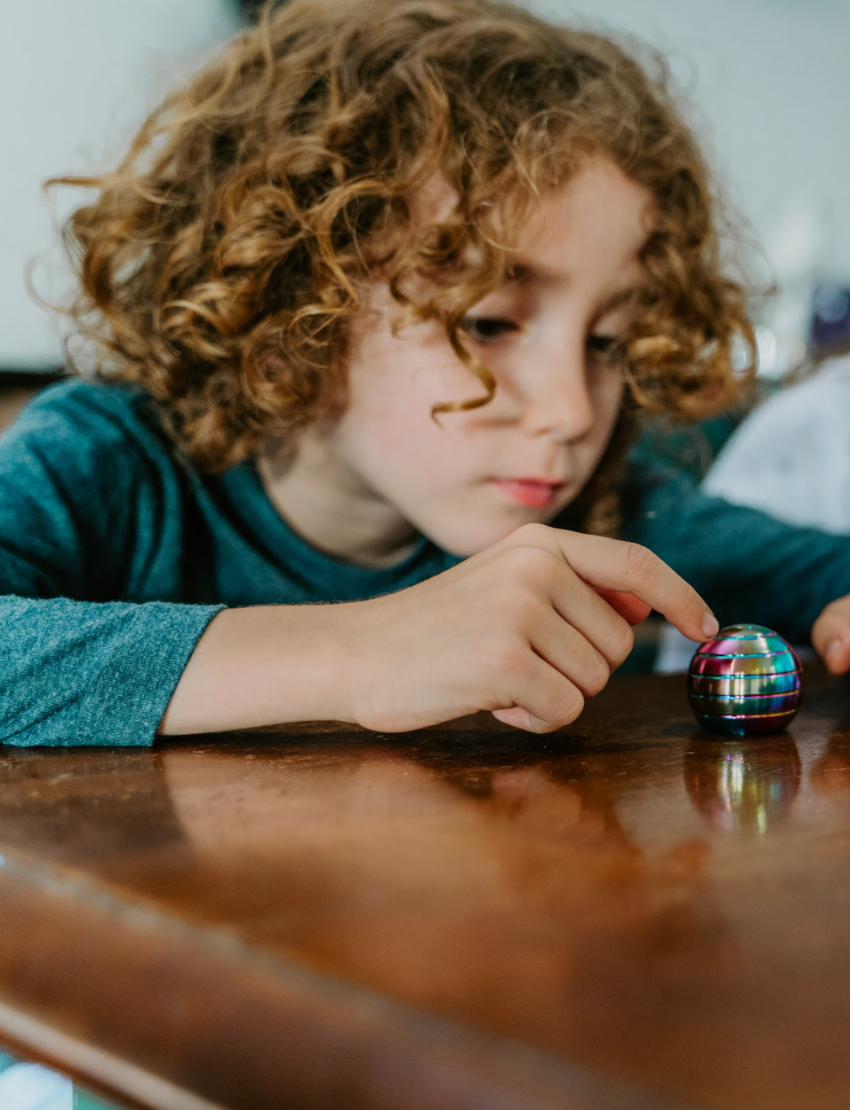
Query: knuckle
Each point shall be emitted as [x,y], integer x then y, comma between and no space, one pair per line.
[530,562]
[624,641]
[599,680]
[571,708]
[515,607]
[534,534]
[504,656]
[639,560]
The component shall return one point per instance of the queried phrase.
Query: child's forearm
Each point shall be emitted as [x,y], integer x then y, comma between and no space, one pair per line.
[263,665]
[527,629]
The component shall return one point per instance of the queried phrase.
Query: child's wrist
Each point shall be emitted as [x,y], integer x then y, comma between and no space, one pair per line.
[265,665]
[326,650]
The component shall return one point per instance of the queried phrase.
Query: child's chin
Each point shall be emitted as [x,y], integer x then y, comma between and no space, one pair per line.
[465,542]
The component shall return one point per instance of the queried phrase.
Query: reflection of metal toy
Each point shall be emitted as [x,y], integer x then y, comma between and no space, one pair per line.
[746,680]
[740,787]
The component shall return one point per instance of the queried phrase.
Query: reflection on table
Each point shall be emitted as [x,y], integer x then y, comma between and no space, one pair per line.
[629,913]
[743,786]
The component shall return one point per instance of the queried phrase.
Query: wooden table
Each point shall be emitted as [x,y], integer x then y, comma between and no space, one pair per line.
[624,915]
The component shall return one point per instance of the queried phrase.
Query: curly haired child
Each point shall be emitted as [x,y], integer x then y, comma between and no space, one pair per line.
[376,299]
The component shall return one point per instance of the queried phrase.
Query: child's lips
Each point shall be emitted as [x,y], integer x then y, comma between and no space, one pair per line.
[532,492]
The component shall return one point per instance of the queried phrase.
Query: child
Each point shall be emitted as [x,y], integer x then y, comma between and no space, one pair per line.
[376,297]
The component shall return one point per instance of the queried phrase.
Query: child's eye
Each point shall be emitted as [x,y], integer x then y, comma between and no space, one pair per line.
[605,348]
[487,329]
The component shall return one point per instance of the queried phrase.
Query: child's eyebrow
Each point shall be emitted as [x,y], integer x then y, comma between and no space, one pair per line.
[527,273]
[623,297]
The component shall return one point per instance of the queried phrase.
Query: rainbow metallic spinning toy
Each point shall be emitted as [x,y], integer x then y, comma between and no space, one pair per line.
[747,680]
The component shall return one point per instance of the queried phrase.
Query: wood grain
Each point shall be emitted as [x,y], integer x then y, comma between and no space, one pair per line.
[628,913]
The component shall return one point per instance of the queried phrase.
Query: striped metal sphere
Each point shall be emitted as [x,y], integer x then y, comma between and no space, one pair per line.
[747,680]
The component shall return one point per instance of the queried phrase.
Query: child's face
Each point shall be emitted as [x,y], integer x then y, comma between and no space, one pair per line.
[470,478]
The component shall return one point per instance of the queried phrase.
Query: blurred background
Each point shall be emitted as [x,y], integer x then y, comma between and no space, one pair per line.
[767,84]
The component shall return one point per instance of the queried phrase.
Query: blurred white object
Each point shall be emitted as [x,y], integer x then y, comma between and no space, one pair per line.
[796,247]
[789,458]
[674,651]
[75,82]
[33,1087]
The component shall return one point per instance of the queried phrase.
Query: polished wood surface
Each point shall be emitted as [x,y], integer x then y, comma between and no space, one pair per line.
[626,914]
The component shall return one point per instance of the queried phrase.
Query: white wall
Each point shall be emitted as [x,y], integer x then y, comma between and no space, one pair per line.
[770,86]
[770,83]
[76,76]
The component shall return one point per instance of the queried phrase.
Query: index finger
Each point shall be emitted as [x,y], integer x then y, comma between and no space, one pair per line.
[627,605]
[620,565]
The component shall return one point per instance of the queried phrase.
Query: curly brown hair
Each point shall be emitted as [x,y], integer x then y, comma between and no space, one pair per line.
[223,260]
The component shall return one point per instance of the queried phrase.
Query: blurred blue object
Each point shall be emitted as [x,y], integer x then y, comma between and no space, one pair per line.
[830,327]
[33,1087]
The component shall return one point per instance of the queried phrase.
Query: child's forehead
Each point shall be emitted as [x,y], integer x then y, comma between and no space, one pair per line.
[587,229]
[436,200]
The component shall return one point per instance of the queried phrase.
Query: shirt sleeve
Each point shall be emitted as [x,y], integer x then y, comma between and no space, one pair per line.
[749,566]
[79,664]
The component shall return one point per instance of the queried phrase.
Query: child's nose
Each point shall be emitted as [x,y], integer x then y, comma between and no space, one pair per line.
[558,401]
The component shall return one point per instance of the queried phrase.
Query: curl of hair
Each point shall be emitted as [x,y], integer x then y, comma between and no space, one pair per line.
[223,261]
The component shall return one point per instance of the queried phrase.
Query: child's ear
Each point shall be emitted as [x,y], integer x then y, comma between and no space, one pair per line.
[627,605]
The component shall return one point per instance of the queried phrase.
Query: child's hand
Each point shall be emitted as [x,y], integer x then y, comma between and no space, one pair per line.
[520,629]
[831,635]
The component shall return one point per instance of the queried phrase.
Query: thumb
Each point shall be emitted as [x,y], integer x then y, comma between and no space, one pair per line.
[627,605]
[831,635]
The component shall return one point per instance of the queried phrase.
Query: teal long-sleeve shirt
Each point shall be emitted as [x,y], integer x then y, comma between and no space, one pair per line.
[115,554]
